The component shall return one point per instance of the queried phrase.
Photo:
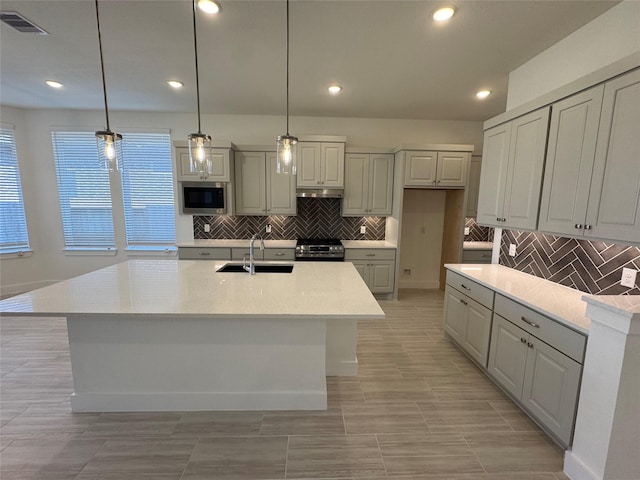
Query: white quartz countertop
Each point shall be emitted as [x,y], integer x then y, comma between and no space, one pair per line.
[477,245]
[368,244]
[175,288]
[236,243]
[563,304]
[625,305]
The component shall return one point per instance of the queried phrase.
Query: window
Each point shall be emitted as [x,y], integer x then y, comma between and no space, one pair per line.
[147,190]
[85,192]
[85,195]
[13,224]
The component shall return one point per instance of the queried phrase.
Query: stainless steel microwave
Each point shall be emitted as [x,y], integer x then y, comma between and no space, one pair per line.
[202,198]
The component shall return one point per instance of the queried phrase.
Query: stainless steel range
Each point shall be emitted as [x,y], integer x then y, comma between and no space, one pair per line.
[320,250]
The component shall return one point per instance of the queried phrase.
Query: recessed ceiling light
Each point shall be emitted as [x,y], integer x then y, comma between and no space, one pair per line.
[53,84]
[483,93]
[208,6]
[335,89]
[175,84]
[443,14]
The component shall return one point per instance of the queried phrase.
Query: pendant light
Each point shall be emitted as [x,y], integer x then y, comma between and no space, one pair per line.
[199,143]
[109,143]
[286,144]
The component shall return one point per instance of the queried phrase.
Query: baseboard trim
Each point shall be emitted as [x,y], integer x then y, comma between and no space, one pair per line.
[421,285]
[341,368]
[575,468]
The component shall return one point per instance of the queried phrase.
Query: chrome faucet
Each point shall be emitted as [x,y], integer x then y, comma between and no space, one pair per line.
[252,267]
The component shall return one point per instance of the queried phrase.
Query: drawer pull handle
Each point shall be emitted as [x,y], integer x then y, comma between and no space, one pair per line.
[465,287]
[279,254]
[463,302]
[530,345]
[529,322]
[204,253]
[370,255]
[523,340]
[485,255]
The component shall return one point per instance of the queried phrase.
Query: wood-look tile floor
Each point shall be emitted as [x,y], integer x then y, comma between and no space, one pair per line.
[418,409]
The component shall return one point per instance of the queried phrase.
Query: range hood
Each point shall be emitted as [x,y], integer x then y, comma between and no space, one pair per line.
[320,192]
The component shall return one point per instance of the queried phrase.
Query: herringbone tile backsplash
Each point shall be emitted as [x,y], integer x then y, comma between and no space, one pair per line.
[591,267]
[477,233]
[317,218]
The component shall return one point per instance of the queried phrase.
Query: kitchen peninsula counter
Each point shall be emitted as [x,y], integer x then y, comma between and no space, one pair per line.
[167,335]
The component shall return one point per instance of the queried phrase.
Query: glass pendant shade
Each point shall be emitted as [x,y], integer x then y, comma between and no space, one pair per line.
[200,160]
[286,150]
[109,149]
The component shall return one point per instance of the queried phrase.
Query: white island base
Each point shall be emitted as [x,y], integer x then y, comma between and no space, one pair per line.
[179,335]
[134,363]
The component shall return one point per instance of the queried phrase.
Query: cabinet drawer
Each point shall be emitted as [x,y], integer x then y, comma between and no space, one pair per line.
[279,254]
[369,254]
[476,256]
[477,292]
[238,253]
[204,253]
[562,338]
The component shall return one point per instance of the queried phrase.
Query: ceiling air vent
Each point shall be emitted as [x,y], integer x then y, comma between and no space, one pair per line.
[17,21]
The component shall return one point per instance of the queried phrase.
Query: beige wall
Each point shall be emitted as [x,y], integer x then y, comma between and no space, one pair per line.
[421,238]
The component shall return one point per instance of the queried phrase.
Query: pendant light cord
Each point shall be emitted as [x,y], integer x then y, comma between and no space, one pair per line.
[287,47]
[104,82]
[195,49]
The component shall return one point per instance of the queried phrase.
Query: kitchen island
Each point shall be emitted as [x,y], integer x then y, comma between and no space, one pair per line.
[149,335]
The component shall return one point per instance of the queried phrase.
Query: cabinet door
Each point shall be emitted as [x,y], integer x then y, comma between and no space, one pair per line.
[524,175]
[454,313]
[420,169]
[569,164]
[332,165]
[220,166]
[614,201]
[308,169]
[477,332]
[356,184]
[361,267]
[493,177]
[381,276]
[473,186]
[250,183]
[281,189]
[452,169]
[508,355]
[551,385]
[380,185]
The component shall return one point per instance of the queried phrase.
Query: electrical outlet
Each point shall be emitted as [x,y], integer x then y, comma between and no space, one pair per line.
[406,271]
[466,230]
[207,227]
[363,229]
[512,250]
[268,228]
[628,277]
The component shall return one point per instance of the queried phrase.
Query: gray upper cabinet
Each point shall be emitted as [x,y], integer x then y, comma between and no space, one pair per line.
[614,200]
[259,189]
[320,164]
[570,154]
[368,184]
[221,166]
[511,177]
[428,169]
[592,177]
[473,186]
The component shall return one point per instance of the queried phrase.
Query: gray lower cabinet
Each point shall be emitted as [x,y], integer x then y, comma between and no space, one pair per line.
[204,253]
[376,267]
[476,256]
[538,361]
[468,323]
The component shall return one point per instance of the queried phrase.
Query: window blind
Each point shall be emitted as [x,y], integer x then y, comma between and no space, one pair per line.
[147,189]
[83,188]
[13,224]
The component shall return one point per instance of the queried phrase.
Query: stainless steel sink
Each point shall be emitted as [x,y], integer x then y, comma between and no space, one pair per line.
[260,268]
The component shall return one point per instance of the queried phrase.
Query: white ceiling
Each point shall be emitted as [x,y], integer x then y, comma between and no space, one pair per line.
[390,57]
